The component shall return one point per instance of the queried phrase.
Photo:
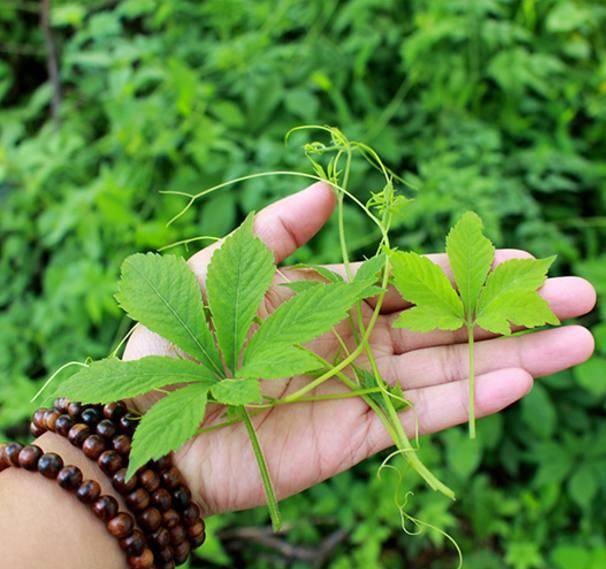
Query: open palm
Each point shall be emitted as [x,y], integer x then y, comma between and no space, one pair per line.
[306,443]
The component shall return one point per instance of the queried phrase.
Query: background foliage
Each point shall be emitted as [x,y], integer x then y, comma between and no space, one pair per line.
[495,105]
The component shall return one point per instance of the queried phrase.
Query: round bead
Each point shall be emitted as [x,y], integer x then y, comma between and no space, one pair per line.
[121,484]
[106,428]
[74,409]
[161,537]
[150,519]
[177,534]
[88,492]
[93,446]
[134,544]
[91,416]
[12,453]
[149,480]
[170,519]
[138,499]
[196,533]
[181,552]
[109,461]
[29,457]
[70,477]
[50,418]
[167,564]
[78,434]
[61,404]
[181,498]
[50,465]
[114,411]
[38,418]
[143,561]
[164,463]
[164,555]
[35,430]
[171,478]
[105,507]
[162,499]
[122,444]
[191,514]
[4,461]
[63,424]
[128,424]
[121,526]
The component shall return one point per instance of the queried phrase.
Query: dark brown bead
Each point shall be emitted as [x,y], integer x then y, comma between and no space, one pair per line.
[61,404]
[170,519]
[128,424]
[70,477]
[35,430]
[191,514]
[88,492]
[196,533]
[171,478]
[177,534]
[4,461]
[38,418]
[12,453]
[110,461]
[150,519]
[162,499]
[122,444]
[161,537]
[78,434]
[138,499]
[50,418]
[164,463]
[181,552]
[50,464]
[121,526]
[122,485]
[91,416]
[63,424]
[105,507]
[164,555]
[93,446]
[181,498]
[143,561]
[134,544]
[167,564]
[114,411]
[74,409]
[29,457]
[106,429]
[149,480]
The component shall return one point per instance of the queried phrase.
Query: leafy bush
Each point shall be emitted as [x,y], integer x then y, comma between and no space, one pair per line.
[496,106]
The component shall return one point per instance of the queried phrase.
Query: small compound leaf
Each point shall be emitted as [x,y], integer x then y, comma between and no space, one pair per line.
[239,274]
[284,362]
[237,391]
[428,318]
[111,379]
[369,270]
[168,424]
[163,294]
[471,255]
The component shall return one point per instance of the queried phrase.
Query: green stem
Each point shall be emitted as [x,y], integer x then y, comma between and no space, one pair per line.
[272,501]
[472,383]
[314,398]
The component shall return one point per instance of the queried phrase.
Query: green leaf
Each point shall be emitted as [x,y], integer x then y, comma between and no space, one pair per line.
[591,376]
[470,254]
[283,362]
[239,274]
[425,284]
[237,391]
[168,424]
[163,294]
[584,485]
[110,379]
[369,270]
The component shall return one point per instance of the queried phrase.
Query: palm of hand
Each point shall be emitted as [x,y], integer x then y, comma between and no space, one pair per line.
[308,442]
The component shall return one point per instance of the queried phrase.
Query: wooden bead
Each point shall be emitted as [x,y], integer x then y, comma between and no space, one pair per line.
[89,491]
[106,429]
[164,555]
[181,552]
[105,507]
[138,499]
[134,544]
[122,444]
[128,424]
[177,534]
[144,561]
[162,499]
[161,537]
[91,416]
[70,477]
[150,519]
[50,418]
[181,498]
[29,457]
[109,461]
[4,461]
[121,526]
[78,434]
[167,564]
[50,464]
[12,453]
[149,480]
[170,519]
[63,424]
[114,411]
[61,404]
[191,514]
[35,430]
[74,409]
[38,418]
[171,478]
[196,533]
[121,484]
[93,446]
[164,463]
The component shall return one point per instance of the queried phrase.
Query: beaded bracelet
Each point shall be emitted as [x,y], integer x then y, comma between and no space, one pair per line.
[120,525]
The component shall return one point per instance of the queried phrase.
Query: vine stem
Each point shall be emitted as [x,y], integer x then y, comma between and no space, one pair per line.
[472,382]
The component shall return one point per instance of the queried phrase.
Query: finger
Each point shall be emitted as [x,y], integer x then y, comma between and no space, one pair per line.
[541,353]
[442,406]
[568,297]
[285,225]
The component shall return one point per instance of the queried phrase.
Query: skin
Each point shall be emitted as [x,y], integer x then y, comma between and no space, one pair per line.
[304,443]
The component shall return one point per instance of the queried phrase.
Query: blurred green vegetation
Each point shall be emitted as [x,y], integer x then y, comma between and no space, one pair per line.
[494,105]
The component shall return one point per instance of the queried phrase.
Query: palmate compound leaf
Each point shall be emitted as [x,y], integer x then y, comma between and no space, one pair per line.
[239,274]
[425,284]
[237,391]
[168,424]
[471,255]
[163,294]
[111,379]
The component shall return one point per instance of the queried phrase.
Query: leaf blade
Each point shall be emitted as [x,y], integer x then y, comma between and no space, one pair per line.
[237,391]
